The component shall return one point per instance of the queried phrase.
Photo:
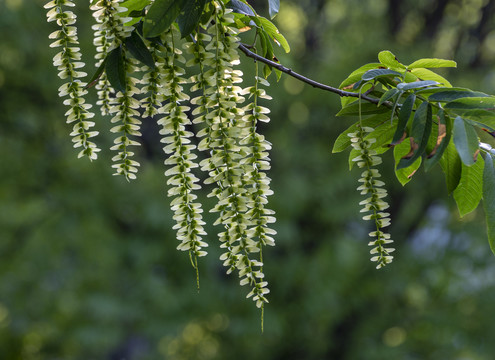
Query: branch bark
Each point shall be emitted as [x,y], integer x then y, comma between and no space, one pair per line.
[304,79]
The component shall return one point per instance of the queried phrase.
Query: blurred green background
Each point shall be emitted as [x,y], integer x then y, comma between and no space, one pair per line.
[88,266]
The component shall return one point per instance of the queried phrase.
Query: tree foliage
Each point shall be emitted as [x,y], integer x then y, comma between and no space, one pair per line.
[176,61]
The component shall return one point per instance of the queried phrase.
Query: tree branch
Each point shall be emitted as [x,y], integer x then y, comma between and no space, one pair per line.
[304,79]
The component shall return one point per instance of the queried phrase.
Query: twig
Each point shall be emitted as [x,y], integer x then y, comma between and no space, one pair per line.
[302,78]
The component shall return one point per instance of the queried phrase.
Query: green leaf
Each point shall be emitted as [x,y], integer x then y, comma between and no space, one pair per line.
[416,85]
[190,16]
[374,73]
[420,132]
[273,32]
[115,69]
[404,115]
[482,122]
[97,74]
[346,100]
[206,15]
[382,135]
[356,75]
[265,43]
[343,141]
[134,9]
[134,5]
[442,140]
[432,63]
[451,165]
[139,50]
[472,103]
[425,74]
[468,193]
[404,175]
[489,199]
[466,141]
[267,70]
[390,61]
[454,94]
[366,108]
[273,7]
[389,94]
[160,16]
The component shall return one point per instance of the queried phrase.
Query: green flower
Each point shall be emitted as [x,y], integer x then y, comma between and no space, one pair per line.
[68,62]
[173,121]
[238,155]
[374,203]
[110,33]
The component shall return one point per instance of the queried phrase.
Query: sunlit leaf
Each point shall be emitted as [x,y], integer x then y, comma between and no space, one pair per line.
[390,60]
[432,63]
[134,5]
[489,199]
[468,193]
[466,141]
[273,32]
[425,74]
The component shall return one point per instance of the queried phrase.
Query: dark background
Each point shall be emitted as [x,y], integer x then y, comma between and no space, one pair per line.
[88,266]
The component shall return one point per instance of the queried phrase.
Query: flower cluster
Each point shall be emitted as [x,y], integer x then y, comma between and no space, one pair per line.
[372,188]
[110,34]
[238,155]
[68,62]
[151,81]
[177,140]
